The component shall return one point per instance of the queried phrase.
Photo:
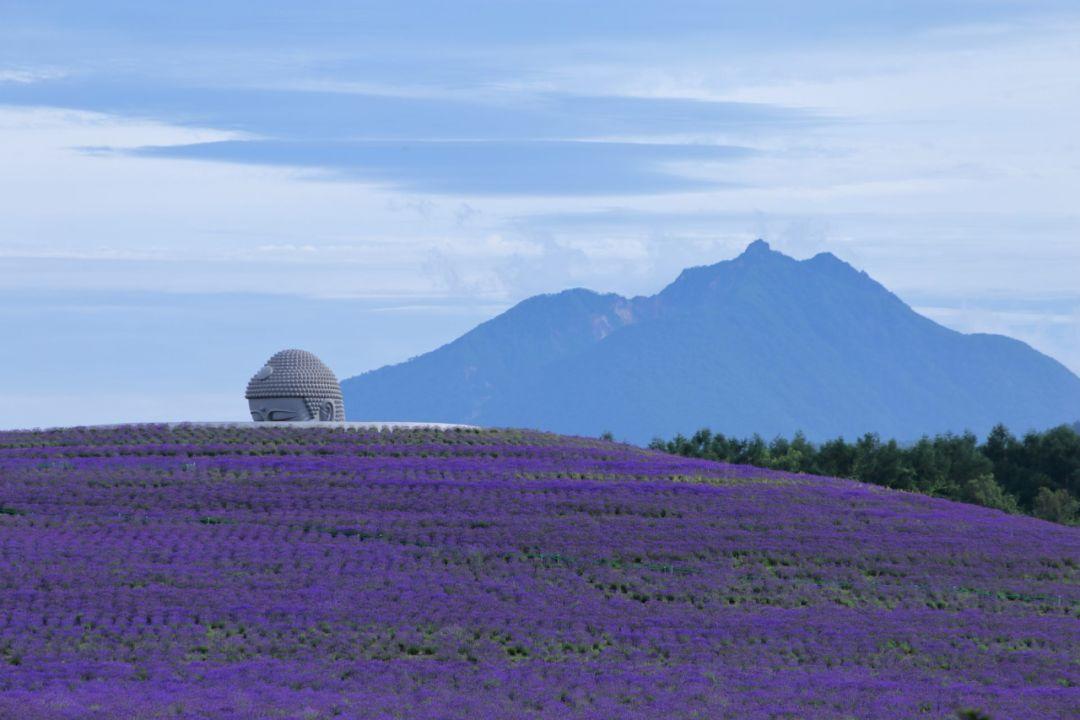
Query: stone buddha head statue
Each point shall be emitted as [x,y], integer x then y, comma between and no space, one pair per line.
[294,385]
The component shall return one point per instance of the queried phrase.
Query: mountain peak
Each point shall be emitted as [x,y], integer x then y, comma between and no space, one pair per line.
[761,253]
[756,248]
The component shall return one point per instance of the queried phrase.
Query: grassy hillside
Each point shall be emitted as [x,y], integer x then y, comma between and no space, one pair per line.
[272,572]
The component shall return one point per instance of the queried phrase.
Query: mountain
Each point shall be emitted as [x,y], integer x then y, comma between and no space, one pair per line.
[762,344]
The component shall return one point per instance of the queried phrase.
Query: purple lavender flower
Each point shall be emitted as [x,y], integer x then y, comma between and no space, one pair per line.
[272,572]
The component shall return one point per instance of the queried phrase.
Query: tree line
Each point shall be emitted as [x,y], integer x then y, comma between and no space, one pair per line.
[1037,474]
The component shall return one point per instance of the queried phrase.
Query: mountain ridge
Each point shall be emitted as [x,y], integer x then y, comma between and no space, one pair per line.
[758,343]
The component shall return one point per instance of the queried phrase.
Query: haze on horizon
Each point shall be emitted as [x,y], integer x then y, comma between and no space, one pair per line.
[187,189]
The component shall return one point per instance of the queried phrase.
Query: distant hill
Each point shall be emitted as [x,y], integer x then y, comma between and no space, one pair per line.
[762,344]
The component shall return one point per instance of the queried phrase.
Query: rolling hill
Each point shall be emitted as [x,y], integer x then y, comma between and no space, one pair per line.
[762,344]
[247,573]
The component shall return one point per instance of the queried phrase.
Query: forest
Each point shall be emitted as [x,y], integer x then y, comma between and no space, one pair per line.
[1037,474]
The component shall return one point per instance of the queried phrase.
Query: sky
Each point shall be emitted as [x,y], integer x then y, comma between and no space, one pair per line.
[186,188]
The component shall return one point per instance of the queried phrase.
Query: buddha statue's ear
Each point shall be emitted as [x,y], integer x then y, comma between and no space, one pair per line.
[326,410]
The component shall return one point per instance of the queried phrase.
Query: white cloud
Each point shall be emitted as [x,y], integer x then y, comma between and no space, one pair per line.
[25,75]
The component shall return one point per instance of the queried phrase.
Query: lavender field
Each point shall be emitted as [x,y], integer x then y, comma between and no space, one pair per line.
[149,572]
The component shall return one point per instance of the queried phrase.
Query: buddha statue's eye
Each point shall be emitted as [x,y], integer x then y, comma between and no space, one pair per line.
[281,415]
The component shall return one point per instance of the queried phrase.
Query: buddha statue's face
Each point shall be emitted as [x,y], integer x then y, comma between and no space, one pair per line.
[287,409]
[279,409]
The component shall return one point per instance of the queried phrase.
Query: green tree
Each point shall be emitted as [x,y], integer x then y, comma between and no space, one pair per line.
[836,458]
[961,462]
[927,475]
[984,490]
[753,452]
[881,463]
[1056,506]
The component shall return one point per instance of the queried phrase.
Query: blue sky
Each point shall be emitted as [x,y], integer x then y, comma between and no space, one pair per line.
[186,188]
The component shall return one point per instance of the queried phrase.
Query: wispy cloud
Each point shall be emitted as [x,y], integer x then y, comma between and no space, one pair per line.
[481,167]
[300,114]
[26,76]
[504,143]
